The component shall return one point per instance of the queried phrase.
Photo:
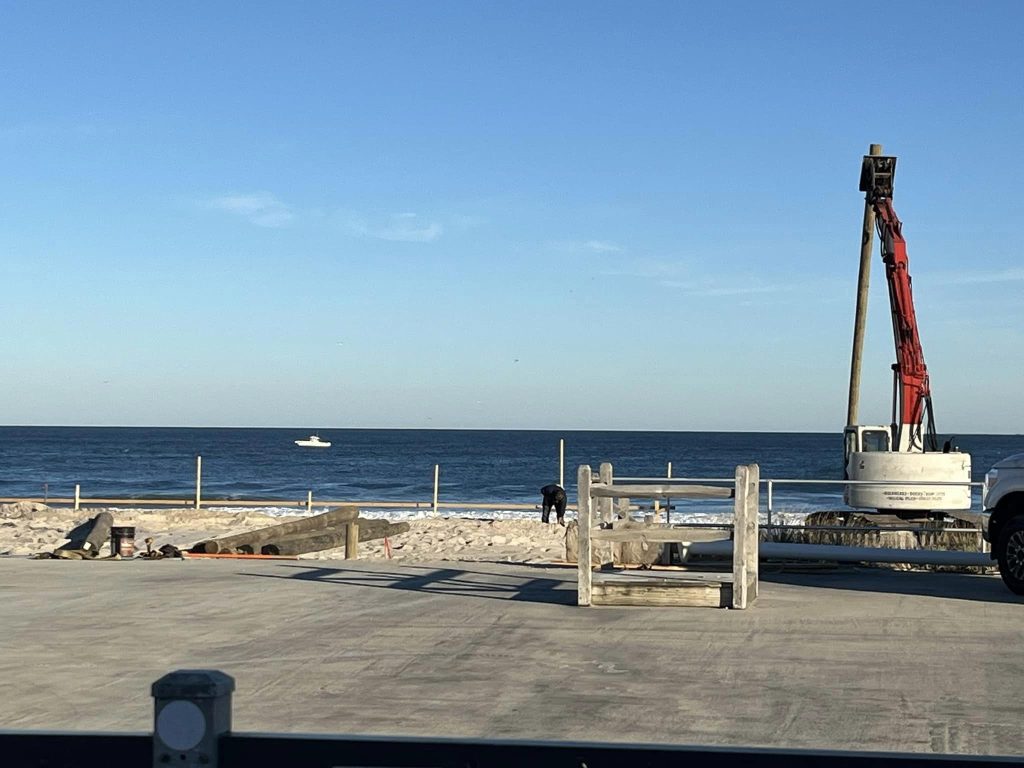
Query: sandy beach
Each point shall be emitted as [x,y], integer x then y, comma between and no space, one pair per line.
[28,528]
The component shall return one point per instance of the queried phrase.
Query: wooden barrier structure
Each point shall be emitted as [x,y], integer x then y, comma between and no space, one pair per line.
[609,586]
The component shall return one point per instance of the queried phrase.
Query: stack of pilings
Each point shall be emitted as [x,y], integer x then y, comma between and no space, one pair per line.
[852,529]
[340,527]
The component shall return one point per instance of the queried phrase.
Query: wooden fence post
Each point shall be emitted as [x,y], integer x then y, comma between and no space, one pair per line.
[744,544]
[351,540]
[584,519]
[604,504]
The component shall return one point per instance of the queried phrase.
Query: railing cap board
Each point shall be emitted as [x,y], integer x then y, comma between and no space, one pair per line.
[656,491]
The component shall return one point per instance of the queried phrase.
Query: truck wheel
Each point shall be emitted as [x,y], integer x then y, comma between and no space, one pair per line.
[1010,553]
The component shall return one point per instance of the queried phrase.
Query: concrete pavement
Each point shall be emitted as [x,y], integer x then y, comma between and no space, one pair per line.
[858,659]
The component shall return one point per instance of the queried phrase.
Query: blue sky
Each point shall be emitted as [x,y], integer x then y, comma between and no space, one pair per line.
[634,215]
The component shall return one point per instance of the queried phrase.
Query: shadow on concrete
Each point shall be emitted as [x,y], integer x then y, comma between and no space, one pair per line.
[949,586]
[440,581]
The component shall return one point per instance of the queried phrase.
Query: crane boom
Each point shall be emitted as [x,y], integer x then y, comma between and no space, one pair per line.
[898,468]
[914,422]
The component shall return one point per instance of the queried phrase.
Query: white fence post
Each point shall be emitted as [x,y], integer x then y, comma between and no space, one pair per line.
[78,497]
[561,463]
[668,500]
[199,481]
[437,475]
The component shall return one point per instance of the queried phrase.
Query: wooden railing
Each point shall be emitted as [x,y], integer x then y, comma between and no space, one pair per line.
[694,587]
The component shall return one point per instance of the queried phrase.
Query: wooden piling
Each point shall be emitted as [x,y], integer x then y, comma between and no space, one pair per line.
[352,540]
[91,535]
[254,540]
[867,234]
[333,538]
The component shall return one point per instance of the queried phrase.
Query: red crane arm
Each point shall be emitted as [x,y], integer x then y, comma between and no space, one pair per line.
[911,371]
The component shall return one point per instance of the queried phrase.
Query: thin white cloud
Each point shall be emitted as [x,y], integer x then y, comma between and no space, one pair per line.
[397,227]
[592,246]
[711,287]
[648,268]
[1011,275]
[601,246]
[259,208]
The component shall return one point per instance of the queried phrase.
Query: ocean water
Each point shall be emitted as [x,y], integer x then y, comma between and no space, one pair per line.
[486,466]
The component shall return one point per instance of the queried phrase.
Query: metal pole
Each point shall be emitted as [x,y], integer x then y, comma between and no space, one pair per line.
[437,474]
[860,317]
[199,480]
[78,497]
[561,463]
[309,502]
[769,503]
[668,501]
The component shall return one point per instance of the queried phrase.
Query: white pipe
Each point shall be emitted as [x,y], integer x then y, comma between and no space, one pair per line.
[437,473]
[838,554]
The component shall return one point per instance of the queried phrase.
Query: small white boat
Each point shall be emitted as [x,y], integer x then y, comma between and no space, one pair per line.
[313,441]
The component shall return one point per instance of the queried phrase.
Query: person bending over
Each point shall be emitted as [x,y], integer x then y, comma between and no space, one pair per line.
[554,496]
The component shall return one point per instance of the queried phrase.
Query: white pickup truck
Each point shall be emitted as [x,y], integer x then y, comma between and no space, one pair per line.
[1003,520]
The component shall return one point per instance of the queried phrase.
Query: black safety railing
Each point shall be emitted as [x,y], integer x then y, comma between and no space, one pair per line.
[192,727]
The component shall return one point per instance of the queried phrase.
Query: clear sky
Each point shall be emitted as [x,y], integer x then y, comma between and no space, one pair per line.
[630,215]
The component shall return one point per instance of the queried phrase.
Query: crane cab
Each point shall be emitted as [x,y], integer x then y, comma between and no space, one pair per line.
[870,455]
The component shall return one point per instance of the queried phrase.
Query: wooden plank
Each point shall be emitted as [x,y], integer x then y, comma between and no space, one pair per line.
[685,596]
[687,536]
[657,490]
[653,578]
[585,522]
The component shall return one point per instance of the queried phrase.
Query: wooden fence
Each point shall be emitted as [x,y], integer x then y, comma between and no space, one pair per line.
[692,587]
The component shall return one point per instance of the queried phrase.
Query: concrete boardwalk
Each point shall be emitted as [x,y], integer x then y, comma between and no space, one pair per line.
[849,659]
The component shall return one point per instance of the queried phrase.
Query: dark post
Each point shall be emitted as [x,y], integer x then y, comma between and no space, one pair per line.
[192,711]
[861,313]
